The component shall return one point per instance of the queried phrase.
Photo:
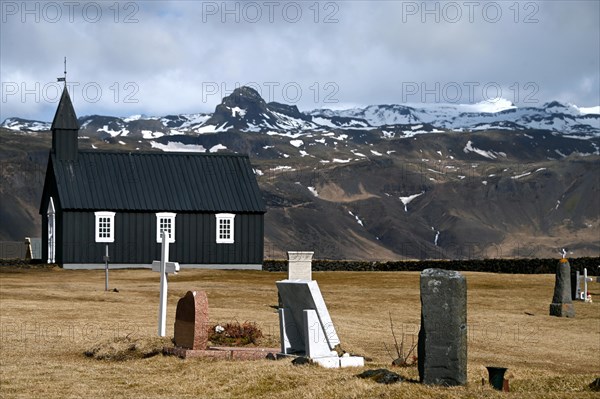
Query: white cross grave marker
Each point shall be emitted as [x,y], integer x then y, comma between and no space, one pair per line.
[579,294]
[164,266]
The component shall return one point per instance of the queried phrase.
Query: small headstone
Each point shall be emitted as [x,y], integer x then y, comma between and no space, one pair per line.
[442,347]
[382,376]
[191,321]
[562,304]
[28,252]
[300,265]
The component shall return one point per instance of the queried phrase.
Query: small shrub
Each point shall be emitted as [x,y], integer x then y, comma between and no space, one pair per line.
[234,334]
[403,359]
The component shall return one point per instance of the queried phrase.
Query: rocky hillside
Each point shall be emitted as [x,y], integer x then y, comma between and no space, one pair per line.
[380,183]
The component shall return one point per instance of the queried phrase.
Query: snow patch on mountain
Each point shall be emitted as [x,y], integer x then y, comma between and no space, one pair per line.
[132,118]
[174,146]
[357,219]
[216,148]
[149,134]
[407,200]
[235,111]
[113,133]
[589,110]
[488,154]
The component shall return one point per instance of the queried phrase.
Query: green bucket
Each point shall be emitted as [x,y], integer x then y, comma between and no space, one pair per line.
[496,376]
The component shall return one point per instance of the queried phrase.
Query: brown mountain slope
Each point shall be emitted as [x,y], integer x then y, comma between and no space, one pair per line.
[505,194]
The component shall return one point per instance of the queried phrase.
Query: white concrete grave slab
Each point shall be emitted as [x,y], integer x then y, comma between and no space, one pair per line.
[306,328]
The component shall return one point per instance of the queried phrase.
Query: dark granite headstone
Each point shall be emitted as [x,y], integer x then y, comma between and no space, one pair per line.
[442,348]
[191,321]
[562,304]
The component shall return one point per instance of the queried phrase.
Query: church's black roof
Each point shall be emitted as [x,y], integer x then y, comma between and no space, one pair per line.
[154,181]
[65,117]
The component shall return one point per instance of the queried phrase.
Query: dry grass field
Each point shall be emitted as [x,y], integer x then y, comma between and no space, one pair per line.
[50,316]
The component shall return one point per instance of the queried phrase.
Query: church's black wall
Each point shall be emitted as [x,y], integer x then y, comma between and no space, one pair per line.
[135,239]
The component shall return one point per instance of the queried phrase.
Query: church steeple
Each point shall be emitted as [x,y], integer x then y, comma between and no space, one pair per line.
[65,129]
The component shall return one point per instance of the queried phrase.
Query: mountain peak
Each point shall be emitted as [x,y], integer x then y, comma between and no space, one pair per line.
[554,104]
[243,96]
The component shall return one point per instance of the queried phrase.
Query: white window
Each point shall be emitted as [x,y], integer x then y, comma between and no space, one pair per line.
[225,228]
[105,226]
[165,221]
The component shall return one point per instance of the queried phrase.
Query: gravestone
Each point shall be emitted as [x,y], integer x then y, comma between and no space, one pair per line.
[562,304]
[306,328]
[191,334]
[28,252]
[191,321]
[300,265]
[442,347]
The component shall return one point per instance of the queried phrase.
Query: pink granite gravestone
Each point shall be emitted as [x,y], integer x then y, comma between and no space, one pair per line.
[191,321]
[191,333]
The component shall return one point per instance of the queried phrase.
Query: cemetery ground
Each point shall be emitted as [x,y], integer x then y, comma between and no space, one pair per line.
[49,317]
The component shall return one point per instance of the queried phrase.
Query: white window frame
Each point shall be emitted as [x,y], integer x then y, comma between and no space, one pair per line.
[111,225]
[170,216]
[225,217]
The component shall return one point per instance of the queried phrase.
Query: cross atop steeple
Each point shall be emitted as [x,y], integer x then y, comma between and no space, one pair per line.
[64,79]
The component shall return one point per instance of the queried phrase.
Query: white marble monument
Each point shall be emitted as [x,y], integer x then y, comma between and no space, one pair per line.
[306,328]
[300,265]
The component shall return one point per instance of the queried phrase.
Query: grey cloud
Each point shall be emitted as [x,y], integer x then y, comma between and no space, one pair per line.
[168,59]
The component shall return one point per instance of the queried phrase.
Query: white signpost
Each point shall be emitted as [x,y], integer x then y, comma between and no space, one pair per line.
[106,258]
[164,267]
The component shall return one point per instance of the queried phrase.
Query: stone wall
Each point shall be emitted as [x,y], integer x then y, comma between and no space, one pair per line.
[515,266]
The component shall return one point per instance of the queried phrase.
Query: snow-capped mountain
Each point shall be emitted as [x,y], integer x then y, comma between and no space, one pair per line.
[25,125]
[244,110]
[498,114]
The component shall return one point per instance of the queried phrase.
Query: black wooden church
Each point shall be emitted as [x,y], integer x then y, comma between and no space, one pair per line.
[209,204]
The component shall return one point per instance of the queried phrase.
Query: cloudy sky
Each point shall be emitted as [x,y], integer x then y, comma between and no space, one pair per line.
[159,58]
